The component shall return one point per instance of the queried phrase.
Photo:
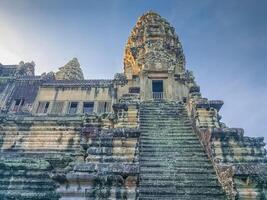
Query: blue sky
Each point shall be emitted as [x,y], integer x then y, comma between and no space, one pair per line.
[225,44]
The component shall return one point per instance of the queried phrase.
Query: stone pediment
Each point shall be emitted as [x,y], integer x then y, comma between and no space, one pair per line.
[157,61]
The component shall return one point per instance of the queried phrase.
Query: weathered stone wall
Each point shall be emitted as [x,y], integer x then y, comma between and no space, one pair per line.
[22,178]
[45,137]
[36,149]
[65,92]
[23,90]
[110,170]
[84,161]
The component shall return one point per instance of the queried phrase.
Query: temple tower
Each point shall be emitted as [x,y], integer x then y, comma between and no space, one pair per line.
[154,59]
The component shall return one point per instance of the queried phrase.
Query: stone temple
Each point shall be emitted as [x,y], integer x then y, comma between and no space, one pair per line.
[145,134]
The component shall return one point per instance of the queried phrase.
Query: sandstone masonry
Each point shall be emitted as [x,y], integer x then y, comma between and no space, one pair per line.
[145,134]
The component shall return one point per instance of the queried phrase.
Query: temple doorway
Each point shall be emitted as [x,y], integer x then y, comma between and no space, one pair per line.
[157,89]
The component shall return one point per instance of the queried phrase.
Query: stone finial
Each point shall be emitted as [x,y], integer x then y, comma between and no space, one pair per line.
[70,71]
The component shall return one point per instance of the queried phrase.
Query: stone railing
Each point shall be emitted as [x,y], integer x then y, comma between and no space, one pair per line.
[157,95]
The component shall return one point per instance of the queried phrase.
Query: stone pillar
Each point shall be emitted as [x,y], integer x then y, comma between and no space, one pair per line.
[169,93]
[145,93]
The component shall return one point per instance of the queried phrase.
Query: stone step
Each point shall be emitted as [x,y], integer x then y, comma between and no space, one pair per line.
[163,134]
[180,177]
[182,190]
[163,113]
[170,139]
[166,142]
[186,183]
[172,144]
[171,152]
[177,165]
[175,138]
[166,155]
[182,197]
[154,134]
[171,127]
[162,109]
[110,159]
[171,147]
[157,134]
[172,115]
[177,159]
[175,170]
[161,105]
[165,128]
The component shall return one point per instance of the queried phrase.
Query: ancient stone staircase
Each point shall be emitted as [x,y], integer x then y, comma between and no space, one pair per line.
[173,164]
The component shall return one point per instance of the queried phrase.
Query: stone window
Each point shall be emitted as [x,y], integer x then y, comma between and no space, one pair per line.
[73,107]
[88,107]
[134,90]
[57,107]
[43,107]
[18,103]
[103,106]
[135,78]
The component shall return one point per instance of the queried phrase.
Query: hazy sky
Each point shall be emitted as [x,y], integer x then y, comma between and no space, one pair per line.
[225,44]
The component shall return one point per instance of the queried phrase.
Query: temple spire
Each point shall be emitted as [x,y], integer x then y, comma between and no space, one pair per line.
[70,71]
[153,38]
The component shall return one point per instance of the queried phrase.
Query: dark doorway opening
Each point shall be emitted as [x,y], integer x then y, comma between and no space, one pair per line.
[157,89]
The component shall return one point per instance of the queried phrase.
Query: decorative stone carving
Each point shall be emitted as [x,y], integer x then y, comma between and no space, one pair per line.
[120,79]
[153,41]
[157,61]
[25,69]
[70,71]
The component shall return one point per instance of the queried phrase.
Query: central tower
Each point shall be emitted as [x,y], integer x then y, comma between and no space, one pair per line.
[154,59]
